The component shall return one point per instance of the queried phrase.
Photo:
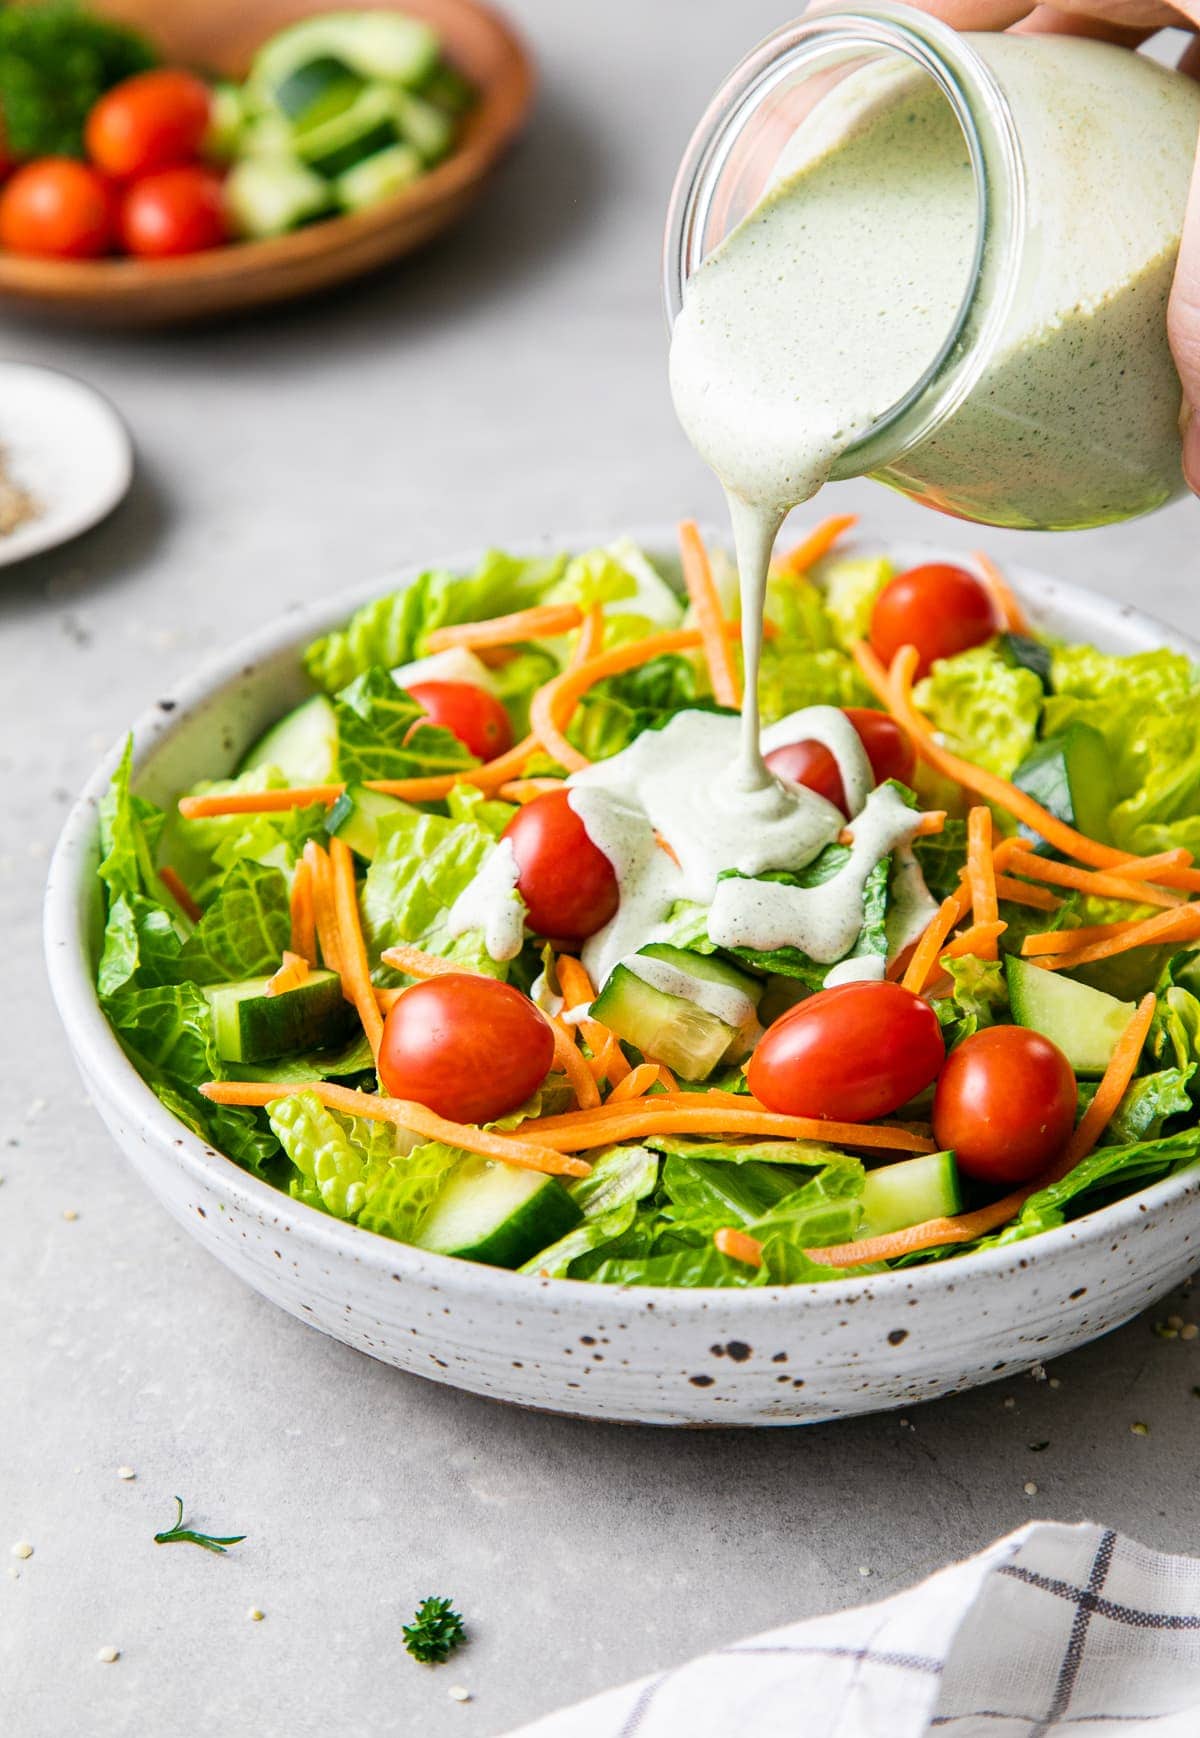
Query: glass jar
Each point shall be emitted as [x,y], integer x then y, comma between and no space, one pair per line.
[1053,402]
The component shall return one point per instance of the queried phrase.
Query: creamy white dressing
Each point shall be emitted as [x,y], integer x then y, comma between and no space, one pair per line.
[723,1001]
[490,902]
[911,905]
[830,726]
[865,968]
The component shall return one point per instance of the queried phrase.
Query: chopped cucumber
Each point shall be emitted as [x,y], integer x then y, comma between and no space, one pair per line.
[356,815]
[270,195]
[447,87]
[382,176]
[380,45]
[429,130]
[496,1213]
[265,136]
[303,746]
[368,125]
[317,91]
[250,1026]
[455,664]
[909,1193]
[1084,1023]
[714,985]
[1071,776]
[670,1029]
[226,120]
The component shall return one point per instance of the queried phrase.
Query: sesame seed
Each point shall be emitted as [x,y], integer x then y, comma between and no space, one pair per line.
[1189,1331]
[1031,1489]
[108,1655]
[1038,1372]
[69,1214]
[255,1615]
[1009,1404]
[863,1569]
[22,1550]
[126,1472]
[458,1694]
[1055,1382]
[1140,1429]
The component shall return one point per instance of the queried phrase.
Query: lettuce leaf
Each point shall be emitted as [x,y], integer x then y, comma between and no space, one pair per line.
[200,849]
[986,708]
[380,734]
[941,856]
[791,962]
[422,865]
[979,998]
[621,1178]
[1107,1172]
[130,832]
[852,583]
[243,929]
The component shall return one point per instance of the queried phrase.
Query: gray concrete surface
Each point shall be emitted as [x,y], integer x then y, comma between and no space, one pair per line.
[508,382]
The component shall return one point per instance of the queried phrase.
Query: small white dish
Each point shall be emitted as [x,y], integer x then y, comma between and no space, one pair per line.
[63,442]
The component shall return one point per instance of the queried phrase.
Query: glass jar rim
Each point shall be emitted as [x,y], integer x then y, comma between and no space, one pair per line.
[989,132]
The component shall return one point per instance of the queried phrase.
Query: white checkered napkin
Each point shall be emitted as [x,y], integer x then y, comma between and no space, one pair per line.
[1070,1631]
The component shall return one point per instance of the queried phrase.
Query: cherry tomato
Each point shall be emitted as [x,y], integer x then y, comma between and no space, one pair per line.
[851,1053]
[148,122]
[811,764]
[472,714]
[568,883]
[1005,1104]
[56,208]
[470,1048]
[174,211]
[937,608]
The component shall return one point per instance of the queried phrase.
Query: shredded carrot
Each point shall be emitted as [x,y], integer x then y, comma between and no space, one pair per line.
[965,1227]
[257,802]
[951,911]
[819,542]
[548,728]
[1182,924]
[611,1063]
[1122,1066]
[324,910]
[931,822]
[573,981]
[1011,614]
[872,670]
[1024,893]
[664,1114]
[1167,868]
[543,622]
[356,968]
[710,619]
[981,875]
[979,940]
[527,790]
[404,1114]
[1098,881]
[179,893]
[636,1083]
[1046,941]
[304,922]
[416,963]
[666,845]
[387,999]
[293,971]
[667,1078]
[567,1055]
[738,1245]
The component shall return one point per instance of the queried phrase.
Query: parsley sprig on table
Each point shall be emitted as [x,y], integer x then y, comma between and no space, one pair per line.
[181,1535]
[435,1631]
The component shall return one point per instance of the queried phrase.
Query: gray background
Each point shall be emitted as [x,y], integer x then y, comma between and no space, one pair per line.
[508,382]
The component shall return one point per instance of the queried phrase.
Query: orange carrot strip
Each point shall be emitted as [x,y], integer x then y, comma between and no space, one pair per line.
[304,922]
[819,542]
[570,1060]
[638,1081]
[949,912]
[324,910]
[608,1059]
[416,963]
[1182,924]
[1122,1065]
[257,802]
[179,893]
[665,1114]
[405,1114]
[1024,893]
[1146,868]
[980,871]
[527,790]
[543,622]
[738,1245]
[356,968]
[1011,614]
[573,981]
[932,821]
[611,1063]
[387,999]
[488,777]
[293,971]
[1106,885]
[547,726]
[666,845]
[1046,941]
[979,940]
[667,1078]
[701,589]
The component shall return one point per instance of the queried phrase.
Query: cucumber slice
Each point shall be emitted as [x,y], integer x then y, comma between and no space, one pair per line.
[375,45]
[270,195]
[367,126]
[447,87]
[317,91]
[429,130]
[382,176]
[226,121]
[1071,776]
[498,1214]
[356,815]
[250,1026]
[303,745]
[717,987]
[670,1029]
[1084,1023]
[909,1193]
[455,664]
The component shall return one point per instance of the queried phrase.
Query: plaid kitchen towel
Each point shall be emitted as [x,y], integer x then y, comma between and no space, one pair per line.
[1070,1631]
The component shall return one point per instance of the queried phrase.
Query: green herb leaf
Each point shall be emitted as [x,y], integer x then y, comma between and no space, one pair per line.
[435,1631]
[178,1534]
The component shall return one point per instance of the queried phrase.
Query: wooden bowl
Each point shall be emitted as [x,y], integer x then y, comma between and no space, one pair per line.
[221,36]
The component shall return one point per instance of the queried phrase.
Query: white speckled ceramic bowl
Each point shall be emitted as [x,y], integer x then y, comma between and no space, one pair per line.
[782,1356]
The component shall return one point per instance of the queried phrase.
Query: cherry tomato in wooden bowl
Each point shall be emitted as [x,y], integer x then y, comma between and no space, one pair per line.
[811,764]
[938,608]
[150,121]
[1005,1104]
[476,717]
[567,883]
[58,209]
[850,1054]
[174,211]
[470,1048]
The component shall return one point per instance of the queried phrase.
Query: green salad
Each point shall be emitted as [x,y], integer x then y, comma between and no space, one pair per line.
[484,949]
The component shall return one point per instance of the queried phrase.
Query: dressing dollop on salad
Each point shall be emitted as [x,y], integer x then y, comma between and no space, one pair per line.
[529,938]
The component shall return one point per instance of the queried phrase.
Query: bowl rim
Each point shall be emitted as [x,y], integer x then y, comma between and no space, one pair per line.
[99,1056]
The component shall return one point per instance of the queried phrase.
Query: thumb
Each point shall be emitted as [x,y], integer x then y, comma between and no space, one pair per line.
[1183,327]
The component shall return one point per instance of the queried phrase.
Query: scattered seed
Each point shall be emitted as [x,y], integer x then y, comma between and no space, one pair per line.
[458,1694]
[255,1615]
[1175,1322]
[1165,1331]
[1037,1447]
[34,1109]
[1140,1429]
[69,1214]
[108,1655]
[1055,1382]
[1031,1489]
[22,1550]
[1037,1372]
[1189,1331]
[1009,1404]
[126,1472]
[863,1569]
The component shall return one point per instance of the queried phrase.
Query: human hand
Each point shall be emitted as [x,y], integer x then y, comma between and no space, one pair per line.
[1127,22]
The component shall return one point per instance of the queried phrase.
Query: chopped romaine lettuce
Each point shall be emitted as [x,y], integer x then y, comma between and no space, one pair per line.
[423,863]
[852,583]
[381,734]
[986,708]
